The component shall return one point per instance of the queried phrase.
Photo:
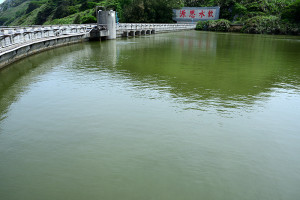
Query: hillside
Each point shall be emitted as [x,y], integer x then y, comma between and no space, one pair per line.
[251,13]
[10,10]
[259,17]
[29,12]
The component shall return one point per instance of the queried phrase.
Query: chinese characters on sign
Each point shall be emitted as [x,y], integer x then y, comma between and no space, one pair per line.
[202,13]
[210,13]
[192,14]
[182,13]
[189,14]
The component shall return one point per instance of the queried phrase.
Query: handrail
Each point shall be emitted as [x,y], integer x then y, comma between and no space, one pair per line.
[158,26]
[18,35]
[13,35]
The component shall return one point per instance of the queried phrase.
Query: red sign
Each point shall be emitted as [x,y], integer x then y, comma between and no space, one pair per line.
[182,13]
[201,14]
[192,14]
[210,13]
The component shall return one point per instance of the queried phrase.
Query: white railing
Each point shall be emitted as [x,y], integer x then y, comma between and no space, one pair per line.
[156,27]
[10,36]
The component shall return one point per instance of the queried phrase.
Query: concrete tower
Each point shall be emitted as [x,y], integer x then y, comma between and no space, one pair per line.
[108,18]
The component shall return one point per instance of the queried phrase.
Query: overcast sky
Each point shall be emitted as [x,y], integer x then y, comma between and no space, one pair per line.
[1,1]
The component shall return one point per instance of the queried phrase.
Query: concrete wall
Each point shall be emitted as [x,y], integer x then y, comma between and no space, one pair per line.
[25,50]
[20,42]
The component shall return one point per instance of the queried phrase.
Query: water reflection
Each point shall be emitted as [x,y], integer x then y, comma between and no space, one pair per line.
[199,70]
[111,115]
[17,79]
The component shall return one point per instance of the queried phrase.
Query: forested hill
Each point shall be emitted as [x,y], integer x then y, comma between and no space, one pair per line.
[27,12]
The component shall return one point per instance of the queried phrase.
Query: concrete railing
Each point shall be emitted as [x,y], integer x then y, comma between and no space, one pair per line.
[11,36]
[156,27]
[19,42]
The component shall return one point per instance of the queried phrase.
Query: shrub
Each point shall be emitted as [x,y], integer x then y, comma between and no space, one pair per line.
[214,25]
[219,25]
[292,28]
[43,14]
[262,24]
[61,12]
[202,25]
[270,25]
[256,7]
[77,20]
[19,13]
[32,6]
[87,5]
[88,19]
[239,9]
[3,20]
[72,10]
[292,12]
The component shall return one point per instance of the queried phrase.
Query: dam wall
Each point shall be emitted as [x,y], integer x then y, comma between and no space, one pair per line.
[20,42]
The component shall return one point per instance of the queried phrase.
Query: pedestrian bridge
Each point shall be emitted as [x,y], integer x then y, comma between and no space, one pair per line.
[17,42]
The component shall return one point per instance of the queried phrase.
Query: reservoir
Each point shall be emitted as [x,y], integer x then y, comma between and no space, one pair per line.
[187,115]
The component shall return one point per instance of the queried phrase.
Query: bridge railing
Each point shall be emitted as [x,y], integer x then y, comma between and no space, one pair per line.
[15,35]
[156,27]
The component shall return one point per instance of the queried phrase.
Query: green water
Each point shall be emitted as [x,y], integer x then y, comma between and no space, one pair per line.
[177,116]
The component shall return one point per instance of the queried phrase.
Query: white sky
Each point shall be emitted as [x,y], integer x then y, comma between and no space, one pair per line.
[1,1]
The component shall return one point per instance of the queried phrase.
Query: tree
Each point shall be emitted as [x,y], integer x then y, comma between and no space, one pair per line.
[150,10]
[77,20]
[44,14]
[292,12]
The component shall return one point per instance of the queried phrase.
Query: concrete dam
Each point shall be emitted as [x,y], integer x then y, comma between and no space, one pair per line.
[19,42]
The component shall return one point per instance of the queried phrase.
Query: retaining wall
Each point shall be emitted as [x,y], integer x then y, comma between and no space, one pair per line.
[36,46]
[20,42]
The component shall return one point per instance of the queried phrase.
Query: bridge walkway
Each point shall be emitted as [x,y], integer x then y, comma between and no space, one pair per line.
[19,42]
[16,46]
[13,37]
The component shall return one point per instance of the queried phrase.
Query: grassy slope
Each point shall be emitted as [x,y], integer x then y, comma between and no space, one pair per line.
[12,12]
[29,19]
[26,19]
[70,19]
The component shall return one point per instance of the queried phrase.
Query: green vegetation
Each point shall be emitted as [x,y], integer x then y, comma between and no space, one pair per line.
[26,12]
[260,16]
[292,12]
[270,25]
[214,25]
[9,12]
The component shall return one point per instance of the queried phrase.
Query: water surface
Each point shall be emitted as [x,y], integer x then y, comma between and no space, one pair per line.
[187,115]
